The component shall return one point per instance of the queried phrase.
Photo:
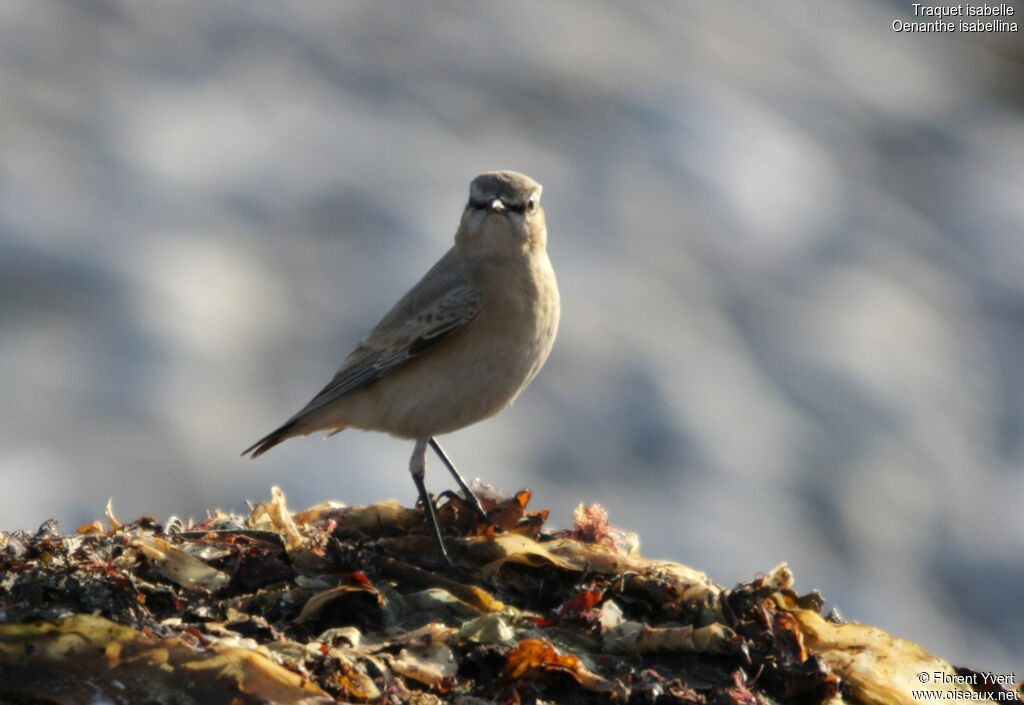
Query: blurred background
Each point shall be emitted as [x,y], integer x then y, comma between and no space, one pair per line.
[788,240]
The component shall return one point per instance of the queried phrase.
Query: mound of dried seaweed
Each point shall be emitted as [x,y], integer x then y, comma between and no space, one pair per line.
[344,604]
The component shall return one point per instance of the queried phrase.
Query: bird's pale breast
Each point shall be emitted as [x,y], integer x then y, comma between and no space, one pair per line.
[474,373]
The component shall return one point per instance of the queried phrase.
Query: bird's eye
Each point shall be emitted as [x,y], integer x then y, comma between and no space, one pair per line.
[531,204]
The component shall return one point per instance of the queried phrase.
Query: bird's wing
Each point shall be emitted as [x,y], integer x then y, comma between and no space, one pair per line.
[432,310]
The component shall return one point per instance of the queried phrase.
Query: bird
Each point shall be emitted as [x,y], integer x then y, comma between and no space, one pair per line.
[459,346]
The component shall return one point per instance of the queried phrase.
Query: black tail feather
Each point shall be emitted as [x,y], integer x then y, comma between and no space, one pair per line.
[269,441]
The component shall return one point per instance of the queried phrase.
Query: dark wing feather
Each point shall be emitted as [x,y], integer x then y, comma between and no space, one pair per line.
[390,346]
[438,305]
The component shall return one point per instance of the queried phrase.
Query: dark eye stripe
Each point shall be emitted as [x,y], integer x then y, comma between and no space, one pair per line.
[486,203]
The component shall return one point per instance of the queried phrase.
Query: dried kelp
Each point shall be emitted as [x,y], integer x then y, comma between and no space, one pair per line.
[348,604]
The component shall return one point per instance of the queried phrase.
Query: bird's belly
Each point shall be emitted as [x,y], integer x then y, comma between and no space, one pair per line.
[454,386]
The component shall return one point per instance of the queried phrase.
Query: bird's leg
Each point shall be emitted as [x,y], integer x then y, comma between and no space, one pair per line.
[470,496]
[418,469]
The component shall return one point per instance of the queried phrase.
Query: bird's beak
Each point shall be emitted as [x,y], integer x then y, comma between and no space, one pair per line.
[497,206]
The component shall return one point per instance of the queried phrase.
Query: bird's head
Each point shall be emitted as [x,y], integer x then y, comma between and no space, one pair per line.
[503,216]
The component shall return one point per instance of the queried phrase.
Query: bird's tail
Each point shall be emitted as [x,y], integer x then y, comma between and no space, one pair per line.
[270,440]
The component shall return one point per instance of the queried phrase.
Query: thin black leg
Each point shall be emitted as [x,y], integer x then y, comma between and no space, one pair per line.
[418,469]
[428,507]
[471,498]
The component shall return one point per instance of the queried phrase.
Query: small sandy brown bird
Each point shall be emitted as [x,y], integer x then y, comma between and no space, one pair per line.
[460,345]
